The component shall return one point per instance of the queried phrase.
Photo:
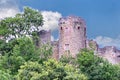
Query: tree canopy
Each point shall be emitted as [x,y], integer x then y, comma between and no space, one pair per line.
[22,24]
[95,67]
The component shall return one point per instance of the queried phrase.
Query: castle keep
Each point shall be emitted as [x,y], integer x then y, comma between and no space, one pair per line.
[72,35]
[72,38]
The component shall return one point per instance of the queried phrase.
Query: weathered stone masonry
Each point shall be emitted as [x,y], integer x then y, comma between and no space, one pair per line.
[72,38]
[72,35]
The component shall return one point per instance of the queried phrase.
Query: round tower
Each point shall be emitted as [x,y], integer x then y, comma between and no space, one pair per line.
[72,35]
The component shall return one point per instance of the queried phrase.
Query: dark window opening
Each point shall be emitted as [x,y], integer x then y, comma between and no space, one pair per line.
[60,22]
[78,27]
[76,22]
[118,56]
[63,22]
[61,28]
[67,51]
[85,32]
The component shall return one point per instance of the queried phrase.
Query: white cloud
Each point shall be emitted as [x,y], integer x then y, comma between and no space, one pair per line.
[8,8]
[107,41]
[50,20]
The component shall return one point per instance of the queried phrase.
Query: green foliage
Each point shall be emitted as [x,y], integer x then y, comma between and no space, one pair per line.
[23,50]
[45,51]
[68,59]
[27,48]
[5,76]
[21,24]
[103,71]
[85,58]
[32,17]
[50,70]
[95,67]
[30,70]
[2,46]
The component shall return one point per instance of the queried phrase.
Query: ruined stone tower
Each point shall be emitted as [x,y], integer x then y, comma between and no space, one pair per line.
[72,38]
[72,35]
[45,37]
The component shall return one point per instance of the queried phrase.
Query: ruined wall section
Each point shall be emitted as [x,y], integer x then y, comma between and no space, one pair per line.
[111,53]
[55,49]
[92,45]
[45,37]
[72,35]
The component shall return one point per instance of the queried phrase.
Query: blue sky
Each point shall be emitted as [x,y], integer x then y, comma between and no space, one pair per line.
[102,16]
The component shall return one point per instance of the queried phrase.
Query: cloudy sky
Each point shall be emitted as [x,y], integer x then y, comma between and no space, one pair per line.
[102,16]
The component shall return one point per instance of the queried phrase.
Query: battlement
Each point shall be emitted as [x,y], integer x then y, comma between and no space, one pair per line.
[72,20]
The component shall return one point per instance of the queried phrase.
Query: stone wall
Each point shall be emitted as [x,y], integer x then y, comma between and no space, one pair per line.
[72,38]
[110,53]
[55,49]
[72,35]
[45,37]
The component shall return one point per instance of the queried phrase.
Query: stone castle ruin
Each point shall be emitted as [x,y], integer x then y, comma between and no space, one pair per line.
[72,35]
[72,38]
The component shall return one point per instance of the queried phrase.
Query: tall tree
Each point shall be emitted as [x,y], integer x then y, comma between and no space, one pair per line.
[21,50]
[22,24]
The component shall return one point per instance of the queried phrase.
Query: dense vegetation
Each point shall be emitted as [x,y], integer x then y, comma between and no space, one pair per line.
[21,59]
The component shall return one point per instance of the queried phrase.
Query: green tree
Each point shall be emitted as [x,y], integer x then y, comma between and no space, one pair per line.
[22,50]
[2,47]
[68,60]
[27,49]
[49,70]
[12,62]
[5,76]
[95,67]
[45,51]
[85,59]
[21,24]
